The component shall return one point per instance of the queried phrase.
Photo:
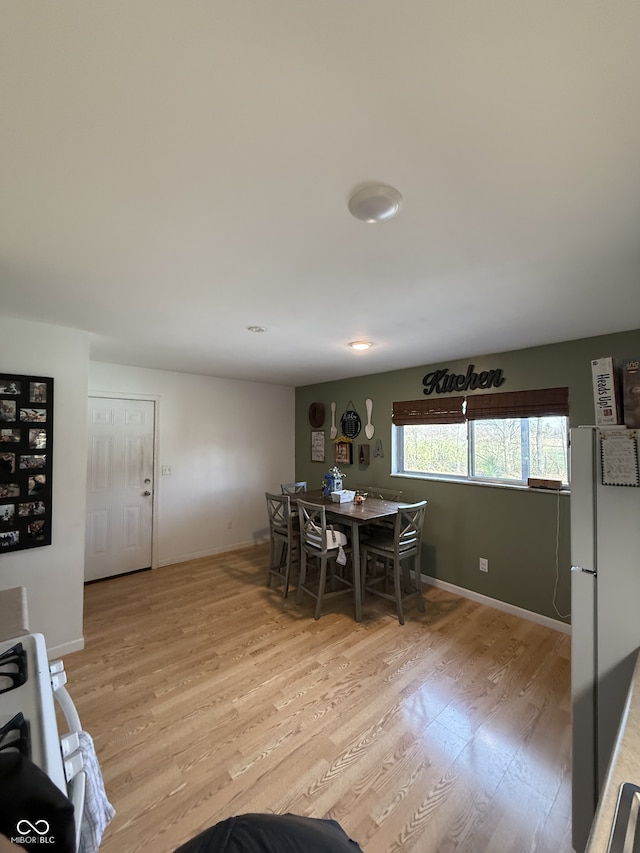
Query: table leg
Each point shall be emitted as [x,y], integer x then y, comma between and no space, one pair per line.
[355,556]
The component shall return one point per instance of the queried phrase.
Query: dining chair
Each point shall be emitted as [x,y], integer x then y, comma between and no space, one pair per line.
[395,552]
[320,544]
[294,488]
[382,494]
[285,539]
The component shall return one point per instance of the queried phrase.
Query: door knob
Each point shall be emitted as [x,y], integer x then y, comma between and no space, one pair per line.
[146,494]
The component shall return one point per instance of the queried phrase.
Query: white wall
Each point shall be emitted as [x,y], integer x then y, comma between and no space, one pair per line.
[226,441]
[53,574]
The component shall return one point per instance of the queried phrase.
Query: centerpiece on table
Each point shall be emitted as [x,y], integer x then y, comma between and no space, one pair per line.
[332,481]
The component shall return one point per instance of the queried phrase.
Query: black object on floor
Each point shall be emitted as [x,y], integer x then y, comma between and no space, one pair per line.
[272,833]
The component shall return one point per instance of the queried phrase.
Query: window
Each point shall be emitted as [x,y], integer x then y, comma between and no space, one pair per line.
[434,449]
[483,440]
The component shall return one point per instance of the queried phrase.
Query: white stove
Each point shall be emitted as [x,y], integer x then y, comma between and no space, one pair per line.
[28,685]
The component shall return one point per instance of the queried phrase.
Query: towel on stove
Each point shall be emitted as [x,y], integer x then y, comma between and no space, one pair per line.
[98,811]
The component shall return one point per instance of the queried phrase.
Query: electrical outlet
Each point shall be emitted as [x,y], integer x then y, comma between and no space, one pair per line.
[229,525]
[484,564]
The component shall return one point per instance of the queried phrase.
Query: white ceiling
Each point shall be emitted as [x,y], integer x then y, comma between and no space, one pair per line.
[173,172]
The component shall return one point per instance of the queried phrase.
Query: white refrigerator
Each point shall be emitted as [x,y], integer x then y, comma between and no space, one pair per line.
[605,603]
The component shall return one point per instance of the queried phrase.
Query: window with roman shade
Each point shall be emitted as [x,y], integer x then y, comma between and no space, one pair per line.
[504,437]
[445,410]
[541,403]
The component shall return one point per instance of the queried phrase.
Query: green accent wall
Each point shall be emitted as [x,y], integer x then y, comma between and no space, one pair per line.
[517,530]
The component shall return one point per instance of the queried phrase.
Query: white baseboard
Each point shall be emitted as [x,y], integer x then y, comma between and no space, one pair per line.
[63,649]
[195,555]
[499,605]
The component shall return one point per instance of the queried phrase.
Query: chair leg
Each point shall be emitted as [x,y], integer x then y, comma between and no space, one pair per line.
[290,563]
[418,583]
[287,572]
[363,571]
[272,561]
[407,586]
[397,587]
[294,562]
[303,575]
[321,585]
[280,560]
[278,551]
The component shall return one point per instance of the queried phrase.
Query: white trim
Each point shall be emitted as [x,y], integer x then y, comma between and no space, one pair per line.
[492,484]
[499,605]
[211,552]
[65,648]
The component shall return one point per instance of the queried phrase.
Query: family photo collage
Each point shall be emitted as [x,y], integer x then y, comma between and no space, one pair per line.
[26,457]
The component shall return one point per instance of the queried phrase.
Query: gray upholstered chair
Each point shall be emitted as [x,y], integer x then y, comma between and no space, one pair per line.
[320,545]
[395,552]
[285,539]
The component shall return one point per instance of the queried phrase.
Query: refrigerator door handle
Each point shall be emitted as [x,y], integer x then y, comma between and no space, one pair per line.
[586,571]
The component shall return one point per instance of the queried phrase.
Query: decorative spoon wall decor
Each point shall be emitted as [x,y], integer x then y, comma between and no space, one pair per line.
[334,429]
[369,427]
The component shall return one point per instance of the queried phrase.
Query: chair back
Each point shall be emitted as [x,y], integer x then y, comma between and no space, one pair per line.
[314,535]
[408,528]
[313,526]
[382,494]
[279,511]
[293,488]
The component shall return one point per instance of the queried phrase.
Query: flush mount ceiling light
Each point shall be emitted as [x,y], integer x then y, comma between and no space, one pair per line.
[375,203]
[360,345]
[256,329]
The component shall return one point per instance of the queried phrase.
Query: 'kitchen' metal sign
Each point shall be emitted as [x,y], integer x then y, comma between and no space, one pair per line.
[443,382]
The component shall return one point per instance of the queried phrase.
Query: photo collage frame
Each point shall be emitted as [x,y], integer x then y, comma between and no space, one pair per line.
[26,461]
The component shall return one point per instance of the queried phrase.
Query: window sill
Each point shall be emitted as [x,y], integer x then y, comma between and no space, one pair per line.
[518,487]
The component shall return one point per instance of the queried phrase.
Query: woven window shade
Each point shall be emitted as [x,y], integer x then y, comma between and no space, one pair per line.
[544,402]
[445,410]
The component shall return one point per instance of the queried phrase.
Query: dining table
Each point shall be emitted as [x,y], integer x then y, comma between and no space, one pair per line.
[355,515]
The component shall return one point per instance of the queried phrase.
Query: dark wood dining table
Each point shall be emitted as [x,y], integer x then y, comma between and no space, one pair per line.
[355,515]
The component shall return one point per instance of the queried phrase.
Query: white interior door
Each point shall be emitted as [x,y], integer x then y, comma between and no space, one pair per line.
[119,487]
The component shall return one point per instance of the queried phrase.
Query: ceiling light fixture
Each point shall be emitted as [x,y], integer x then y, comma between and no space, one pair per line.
[256,329]
[360,345]
[375,203]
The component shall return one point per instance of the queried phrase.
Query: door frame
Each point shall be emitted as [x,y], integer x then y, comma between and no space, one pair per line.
[155,399]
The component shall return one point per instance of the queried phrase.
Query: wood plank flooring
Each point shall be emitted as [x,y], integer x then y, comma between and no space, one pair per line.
[208,695]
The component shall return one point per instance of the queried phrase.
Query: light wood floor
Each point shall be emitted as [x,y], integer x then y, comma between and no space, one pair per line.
[208,695]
